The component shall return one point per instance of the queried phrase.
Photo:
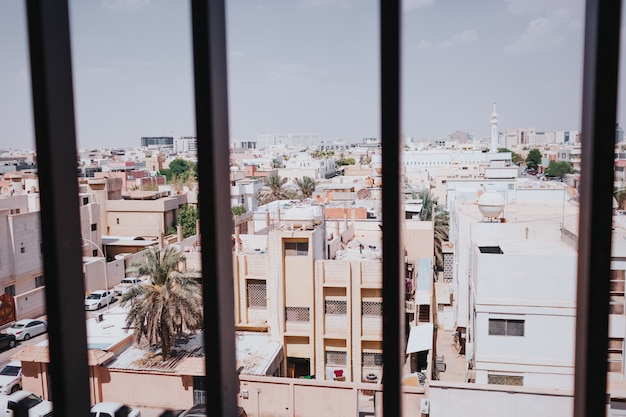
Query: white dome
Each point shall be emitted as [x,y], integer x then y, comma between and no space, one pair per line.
[491,204]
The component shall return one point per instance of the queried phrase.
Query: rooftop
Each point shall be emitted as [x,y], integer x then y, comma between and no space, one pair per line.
[516,211]
[256,354]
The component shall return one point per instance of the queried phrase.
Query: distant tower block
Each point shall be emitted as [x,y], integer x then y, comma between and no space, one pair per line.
[494,130]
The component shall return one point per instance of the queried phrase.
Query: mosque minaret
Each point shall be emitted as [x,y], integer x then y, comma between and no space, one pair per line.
[494,130]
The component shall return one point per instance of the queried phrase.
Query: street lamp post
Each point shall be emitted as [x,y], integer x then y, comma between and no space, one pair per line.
[104,260]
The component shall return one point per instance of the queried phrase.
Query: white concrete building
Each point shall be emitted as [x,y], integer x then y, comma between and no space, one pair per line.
[519,136]
[515,291]
[244,191]
[455,163]
[288,139]
[301,164]
[186,144]
[523,297]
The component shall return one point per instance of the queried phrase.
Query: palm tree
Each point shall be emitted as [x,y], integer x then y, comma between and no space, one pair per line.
[306,186]
[441,224]
[273,190]
[441,233]
[166,306]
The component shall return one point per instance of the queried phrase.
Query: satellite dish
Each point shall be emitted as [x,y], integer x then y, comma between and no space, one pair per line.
[4,190]
[364,194]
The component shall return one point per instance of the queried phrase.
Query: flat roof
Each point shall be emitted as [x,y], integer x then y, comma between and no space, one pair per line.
[128,241]
[522,211]
[255,352]
[534,247]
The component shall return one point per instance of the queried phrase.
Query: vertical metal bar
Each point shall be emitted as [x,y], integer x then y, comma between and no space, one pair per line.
[600,76]
[53,104]
[393,282]
[209,50]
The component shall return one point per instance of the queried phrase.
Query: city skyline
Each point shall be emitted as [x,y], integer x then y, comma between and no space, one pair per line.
[309,66]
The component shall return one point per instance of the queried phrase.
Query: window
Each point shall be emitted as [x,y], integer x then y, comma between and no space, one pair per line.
[257,293]
[490,249]
[199,390]
[372,359]
[10,289]
[94,227]
[94,253]
[296,248]
[297,314]
[496,379]
[617,292]
[85,201]
[335,307]
[372,308]
[615,355]
[117,220]
[334,357]
[22,249]
[39,281]
[505,327]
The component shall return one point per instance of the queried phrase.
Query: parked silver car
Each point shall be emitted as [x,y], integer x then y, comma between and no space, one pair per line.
[27,328]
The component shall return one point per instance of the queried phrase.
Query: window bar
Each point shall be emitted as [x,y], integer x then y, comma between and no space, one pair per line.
[53,107]
[600,76]
[209,54]
[393,285]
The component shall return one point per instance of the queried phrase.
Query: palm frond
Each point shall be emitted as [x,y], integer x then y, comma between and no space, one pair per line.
[169,305]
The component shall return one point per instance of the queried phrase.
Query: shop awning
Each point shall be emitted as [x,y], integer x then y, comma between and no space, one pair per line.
[420,338]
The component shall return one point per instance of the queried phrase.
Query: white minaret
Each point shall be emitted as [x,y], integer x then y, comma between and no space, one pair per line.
[494,130]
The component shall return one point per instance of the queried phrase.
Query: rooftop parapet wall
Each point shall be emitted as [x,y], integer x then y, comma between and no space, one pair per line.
[339,212]
[477,400]
[538,273]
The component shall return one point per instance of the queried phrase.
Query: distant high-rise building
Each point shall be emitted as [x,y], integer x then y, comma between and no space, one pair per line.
[522,136]
[246,144]
[289,139]
[460,136]
[566,137]
[186,144]
[619,133]
[158,141]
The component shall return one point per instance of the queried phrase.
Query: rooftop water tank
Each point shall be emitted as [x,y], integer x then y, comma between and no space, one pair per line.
[491,204]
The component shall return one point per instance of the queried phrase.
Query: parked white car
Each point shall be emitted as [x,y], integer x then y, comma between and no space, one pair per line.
[98,299]
[27,328]
[36,406]
[11,377]
[122,287]
[108,409]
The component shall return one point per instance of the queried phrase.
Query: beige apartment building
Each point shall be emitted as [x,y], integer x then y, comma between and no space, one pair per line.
[137,213]
[316,287]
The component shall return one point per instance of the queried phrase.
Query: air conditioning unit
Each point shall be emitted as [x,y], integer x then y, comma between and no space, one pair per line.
[424,406]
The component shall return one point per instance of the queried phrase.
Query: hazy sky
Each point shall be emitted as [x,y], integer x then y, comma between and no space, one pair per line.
[308,66]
